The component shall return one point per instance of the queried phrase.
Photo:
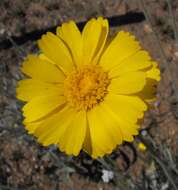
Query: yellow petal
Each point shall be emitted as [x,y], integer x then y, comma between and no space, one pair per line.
[45,58]
[148,93]
[87,146]
[72,140]
[94,37]
[105,133]
[55,49]
[136,62]
[127,129]
[52,128]
[31,127]
[43,70]
[129,108]
[121,47]
[28,89]
[73,39]
[154,72]
[42,106]
[128,83]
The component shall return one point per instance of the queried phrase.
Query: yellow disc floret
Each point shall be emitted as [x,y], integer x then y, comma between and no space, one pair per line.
[86,86]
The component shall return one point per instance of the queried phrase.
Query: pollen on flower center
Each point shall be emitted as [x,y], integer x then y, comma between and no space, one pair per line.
[86,86]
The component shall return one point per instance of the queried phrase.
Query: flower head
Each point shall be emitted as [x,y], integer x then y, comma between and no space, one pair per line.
[82,93]
[142,147]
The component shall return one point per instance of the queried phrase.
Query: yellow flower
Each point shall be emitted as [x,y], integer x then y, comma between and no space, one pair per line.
[141,147]
[83,93]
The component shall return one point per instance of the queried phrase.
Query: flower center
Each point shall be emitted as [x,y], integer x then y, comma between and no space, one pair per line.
[86,86]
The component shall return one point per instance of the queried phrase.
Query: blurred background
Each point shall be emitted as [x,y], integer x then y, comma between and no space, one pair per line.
[151,162]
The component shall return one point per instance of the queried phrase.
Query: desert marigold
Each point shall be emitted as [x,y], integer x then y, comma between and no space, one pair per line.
[84,93]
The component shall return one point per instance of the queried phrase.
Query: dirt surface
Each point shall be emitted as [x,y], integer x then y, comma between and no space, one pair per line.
[24,164]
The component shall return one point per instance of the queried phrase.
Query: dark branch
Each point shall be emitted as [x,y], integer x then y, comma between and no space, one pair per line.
[129,18]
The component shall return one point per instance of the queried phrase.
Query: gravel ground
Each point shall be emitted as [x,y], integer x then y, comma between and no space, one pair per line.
[25,165]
